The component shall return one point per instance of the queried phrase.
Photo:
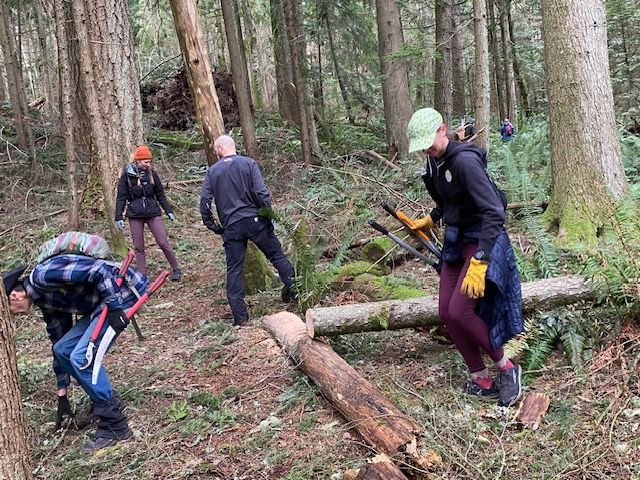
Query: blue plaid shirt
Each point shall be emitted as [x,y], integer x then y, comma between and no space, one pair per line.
[66,284]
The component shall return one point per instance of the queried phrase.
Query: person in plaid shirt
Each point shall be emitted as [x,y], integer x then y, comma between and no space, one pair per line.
[69,284]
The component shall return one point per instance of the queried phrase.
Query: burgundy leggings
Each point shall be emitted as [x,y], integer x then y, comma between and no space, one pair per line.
[468,331]
[157,229]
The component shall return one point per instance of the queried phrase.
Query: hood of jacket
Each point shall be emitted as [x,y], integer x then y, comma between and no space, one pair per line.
[455,147]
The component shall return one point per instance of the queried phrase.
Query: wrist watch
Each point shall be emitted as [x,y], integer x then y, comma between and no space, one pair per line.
[481,256]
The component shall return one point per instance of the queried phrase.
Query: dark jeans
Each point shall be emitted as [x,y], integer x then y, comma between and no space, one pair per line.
[136,225]
[260,231]
[468,331]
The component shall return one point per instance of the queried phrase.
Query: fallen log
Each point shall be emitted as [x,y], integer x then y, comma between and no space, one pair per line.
[378,421]
[423,311]
[379,467]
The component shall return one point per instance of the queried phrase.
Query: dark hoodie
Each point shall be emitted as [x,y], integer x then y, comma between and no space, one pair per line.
[142,197]
[465,196]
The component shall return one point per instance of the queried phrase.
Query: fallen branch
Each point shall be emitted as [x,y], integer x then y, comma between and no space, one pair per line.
[33,219]
[376,156]
[423,311]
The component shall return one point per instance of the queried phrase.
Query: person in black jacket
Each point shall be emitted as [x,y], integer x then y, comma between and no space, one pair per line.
[141,191]
[237,186]
[473,210]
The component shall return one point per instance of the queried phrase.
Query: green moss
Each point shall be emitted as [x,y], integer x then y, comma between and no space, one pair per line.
[257,274]
[387,287]
[359,267]
[378,248]
[381,318]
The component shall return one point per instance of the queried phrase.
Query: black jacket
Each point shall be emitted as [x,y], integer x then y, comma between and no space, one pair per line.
[465,196]
[142,198]
[236,186]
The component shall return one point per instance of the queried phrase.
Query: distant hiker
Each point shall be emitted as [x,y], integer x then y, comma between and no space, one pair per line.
[480,299]
[236,186]
[506,130]
[141,191]
[68,284]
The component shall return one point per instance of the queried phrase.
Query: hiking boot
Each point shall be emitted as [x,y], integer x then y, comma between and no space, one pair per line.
[289,295]
[176,275]
[241,323]
[475,390]
[94,444]
[509,384]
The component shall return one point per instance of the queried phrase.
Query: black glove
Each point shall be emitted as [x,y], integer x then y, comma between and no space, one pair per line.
[118,320]
[64,408]
[215,228]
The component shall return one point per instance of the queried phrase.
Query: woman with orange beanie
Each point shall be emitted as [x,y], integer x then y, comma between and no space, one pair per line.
[141,192]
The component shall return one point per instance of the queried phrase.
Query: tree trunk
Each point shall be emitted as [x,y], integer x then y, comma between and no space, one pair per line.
[342,81]
[14,461]
[257,274]
[512,98]
[421,311]
[395,81]
[376,419]
[240,79]
[287,98]
[379,467]
[10,54]
[459,105]
[66,115]
[203,91]
[588,176]
[520,78]
[297,45]
[442,99]
[481,90]
[43,60]
[498,64]
[252,45]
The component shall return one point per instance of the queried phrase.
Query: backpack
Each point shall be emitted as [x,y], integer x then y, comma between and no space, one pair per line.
[508,129]
[78,243]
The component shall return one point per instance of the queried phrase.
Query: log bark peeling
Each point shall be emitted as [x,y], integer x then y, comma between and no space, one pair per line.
[378,421]
[423,311]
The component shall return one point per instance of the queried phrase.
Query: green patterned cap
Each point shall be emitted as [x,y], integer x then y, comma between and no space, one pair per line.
[422,129]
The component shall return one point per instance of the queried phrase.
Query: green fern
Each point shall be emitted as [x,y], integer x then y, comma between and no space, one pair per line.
[540,347]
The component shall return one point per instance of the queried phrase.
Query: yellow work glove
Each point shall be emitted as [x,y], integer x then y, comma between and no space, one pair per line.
[474,280]
[424,223]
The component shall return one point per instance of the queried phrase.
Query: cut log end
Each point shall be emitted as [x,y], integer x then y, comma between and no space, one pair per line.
[309,322]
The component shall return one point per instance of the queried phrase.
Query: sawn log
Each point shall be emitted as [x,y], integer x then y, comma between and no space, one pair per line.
[423,311]
[383,426]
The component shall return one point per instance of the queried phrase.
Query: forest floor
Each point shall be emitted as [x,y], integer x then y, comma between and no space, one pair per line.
[210,401]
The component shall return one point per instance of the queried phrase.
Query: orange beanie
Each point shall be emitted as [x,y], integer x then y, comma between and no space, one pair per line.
[142,152]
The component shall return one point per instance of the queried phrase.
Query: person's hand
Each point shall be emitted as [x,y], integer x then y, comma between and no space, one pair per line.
[216,228]
[172,216]
[424,223]
[117,320]
[120,224]
[473,284]
[64,408]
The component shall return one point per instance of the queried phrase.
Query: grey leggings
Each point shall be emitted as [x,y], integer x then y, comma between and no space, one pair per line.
[157,229]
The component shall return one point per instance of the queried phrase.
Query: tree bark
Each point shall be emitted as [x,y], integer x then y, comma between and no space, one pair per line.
[252,45]
[14,461]
[395,81]
[17,95]
[497,69]
[588,177]
[240,79]
[512,98]
[43,63]
[376,419]
[421,311]
[287,97]
[297,45]
[379,467]
[342,81]
[459,104]
[66,116]
[481,90]
[521,80]
[203,91]
[442,96]
[532,409]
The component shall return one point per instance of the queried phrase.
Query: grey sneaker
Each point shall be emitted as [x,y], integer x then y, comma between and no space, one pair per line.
[176,275]
[510,386]
[475,390]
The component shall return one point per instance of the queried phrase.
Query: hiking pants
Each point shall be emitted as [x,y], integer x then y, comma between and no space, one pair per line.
[157,229]
[260,231]
[469,332]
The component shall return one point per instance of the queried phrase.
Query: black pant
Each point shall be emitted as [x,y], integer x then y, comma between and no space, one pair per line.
[260,231]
